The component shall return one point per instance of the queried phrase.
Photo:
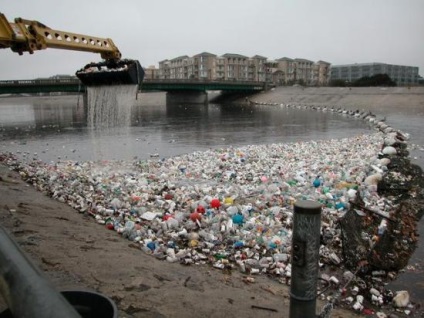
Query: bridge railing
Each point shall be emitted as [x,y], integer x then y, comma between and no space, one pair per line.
[202,80]
[58,81]
[53,81]
[71,84]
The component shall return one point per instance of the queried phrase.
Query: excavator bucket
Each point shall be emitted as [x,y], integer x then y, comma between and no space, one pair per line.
[122,72]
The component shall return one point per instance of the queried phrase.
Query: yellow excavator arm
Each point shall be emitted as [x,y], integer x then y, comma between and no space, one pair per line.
[29,36]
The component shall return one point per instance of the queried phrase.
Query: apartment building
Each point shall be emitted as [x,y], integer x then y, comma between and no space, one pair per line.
[204,66]
[287,66]
[302,71]
[151,72]
[257,68]
[271,71]
[402,75]
[164,69]
[237,67]
[320,73]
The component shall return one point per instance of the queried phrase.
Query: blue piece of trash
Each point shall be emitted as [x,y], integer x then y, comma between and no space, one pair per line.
[151,246]
[238,219]
[316,183]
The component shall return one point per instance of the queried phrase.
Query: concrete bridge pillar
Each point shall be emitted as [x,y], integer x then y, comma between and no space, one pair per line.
[186,97]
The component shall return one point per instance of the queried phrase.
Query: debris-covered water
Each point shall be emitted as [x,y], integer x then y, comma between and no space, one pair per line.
[211,184]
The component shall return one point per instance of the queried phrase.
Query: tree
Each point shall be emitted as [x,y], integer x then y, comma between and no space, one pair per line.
[337,83]
[375,80]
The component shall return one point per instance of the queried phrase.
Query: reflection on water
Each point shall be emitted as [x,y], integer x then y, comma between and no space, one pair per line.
[39,113]
[11,115]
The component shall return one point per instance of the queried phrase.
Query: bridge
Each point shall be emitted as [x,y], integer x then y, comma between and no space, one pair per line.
[180,91]
[194,91]
[74,85]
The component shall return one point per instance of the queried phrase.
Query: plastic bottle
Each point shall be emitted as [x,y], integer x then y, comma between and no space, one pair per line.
[382,227]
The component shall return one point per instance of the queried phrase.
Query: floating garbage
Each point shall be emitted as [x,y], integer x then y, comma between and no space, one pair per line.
[232,208]
[401,299]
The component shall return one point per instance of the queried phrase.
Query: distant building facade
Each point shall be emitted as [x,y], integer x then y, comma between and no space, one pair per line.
[402,75]
[237,67]
[151,72]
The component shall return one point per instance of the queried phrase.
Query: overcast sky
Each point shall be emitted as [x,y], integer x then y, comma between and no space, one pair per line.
[336,31]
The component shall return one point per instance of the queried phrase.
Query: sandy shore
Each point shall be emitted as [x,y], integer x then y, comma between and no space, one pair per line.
[369,98]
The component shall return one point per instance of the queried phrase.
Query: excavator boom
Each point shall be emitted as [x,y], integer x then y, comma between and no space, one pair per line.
[29,36]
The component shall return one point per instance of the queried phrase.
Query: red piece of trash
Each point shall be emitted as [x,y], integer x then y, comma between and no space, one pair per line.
[215,203]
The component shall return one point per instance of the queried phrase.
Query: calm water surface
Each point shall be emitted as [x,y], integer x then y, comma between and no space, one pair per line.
[52,128]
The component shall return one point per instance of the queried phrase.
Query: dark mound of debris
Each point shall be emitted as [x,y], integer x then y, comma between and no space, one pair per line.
[386,242]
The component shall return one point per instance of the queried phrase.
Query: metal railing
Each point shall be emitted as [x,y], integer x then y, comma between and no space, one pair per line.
[28,294]
[55,81]
[147,80]
[24,289]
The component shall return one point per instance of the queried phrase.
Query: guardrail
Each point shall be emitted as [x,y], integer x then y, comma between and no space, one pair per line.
[202,80]
[41,82]
[149,80]
[29,294]
[24,289]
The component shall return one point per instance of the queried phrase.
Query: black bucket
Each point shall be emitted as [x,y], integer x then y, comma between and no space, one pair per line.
[91,304]
[124,72]
[88,305]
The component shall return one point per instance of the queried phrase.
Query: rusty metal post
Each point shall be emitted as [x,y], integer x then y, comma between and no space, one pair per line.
[25,290]
[305,257]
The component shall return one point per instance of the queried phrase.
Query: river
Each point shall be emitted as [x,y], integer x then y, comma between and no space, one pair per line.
[55,128]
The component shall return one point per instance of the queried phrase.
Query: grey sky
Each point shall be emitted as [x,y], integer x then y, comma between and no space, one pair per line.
[336,31]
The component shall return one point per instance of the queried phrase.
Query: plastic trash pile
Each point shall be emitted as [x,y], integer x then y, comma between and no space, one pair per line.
[231,208]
